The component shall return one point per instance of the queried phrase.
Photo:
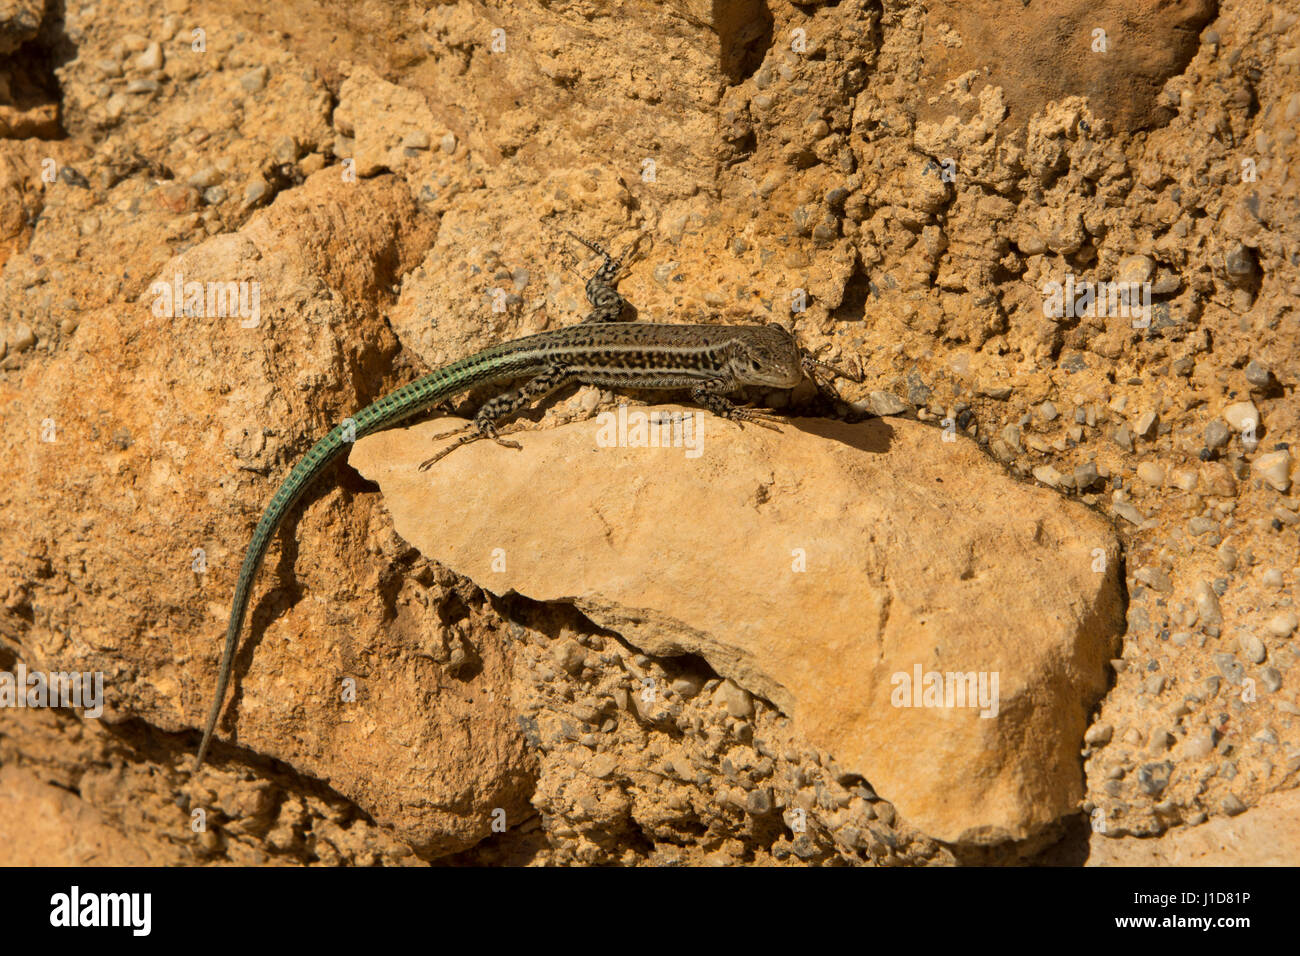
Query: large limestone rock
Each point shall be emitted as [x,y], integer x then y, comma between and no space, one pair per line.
[824,567]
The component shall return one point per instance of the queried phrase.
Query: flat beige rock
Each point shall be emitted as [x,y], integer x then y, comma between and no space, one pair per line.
[824,567]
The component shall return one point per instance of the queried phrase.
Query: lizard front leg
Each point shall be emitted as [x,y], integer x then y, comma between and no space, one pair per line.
[711,396]
[493,410]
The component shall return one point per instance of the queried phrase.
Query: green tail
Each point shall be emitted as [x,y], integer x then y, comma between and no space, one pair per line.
[491,364]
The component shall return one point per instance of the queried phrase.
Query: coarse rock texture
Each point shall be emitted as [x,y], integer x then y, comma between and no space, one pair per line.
[901,183]
[1267,836]
[813,567]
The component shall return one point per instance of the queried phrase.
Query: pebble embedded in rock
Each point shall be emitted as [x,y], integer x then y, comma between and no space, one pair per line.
[759,802]
[1257,375]
[1217,434]
[1098,735]
[1275,468]
[1048,475]
[737,701]
[1207,604]
[285,150]
[1252,648]
[883,403]
[1145,423]
[1283,624]
[1155,578]
[687,685]
[1229,667]
[1135,269]
[254,79]
[416,139]
[22,337]
[1240,264]
[569,655]
[1232,805]
[151,58]
[1128,512]
[1241,415]
[1199,744]
[1151,473]
[1227,557]
[1086,475]
[205,177]
[256,191]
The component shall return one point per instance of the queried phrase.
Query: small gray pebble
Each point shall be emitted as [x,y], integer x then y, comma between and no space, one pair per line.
[759,802]
[1240,263]
[254,79]
[1217,434]
[1232,805]
[1230,667]
[1257,374]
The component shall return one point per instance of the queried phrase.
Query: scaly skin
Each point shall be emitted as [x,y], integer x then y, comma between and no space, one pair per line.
[709,360]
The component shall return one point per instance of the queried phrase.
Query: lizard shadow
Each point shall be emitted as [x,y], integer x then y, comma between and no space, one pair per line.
[872,435]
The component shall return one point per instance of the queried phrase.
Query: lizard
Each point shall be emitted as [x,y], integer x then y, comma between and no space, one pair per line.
[708,360]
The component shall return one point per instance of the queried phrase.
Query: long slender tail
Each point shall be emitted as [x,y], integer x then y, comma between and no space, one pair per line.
[286,496]
[391,409]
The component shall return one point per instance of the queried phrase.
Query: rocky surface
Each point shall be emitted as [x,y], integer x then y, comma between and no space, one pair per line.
[1267,836]
[899,183]
[824,568]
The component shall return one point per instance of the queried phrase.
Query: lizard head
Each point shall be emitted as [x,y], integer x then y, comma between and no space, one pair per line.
[766,355]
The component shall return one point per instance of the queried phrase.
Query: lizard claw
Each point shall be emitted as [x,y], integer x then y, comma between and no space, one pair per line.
[479,433]
[762,417]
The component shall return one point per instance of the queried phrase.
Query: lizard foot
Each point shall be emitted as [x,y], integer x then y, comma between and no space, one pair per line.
[762,417]
[477,433]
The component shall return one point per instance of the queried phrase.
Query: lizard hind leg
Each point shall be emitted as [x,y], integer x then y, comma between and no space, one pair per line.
[602,288]
[484,423]
[476,432]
